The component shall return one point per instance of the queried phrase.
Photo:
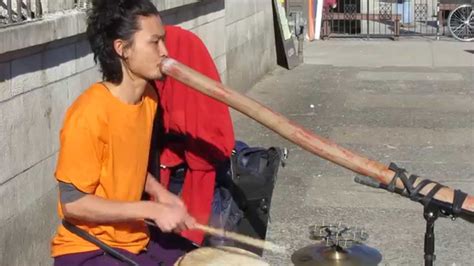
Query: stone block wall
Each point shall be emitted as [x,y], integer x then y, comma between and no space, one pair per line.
[37,84]
[250,50]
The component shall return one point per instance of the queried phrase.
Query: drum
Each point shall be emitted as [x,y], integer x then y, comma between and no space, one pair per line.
[223,255]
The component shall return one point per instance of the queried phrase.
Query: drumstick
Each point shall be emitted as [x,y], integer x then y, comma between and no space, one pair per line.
[235,236]
[241,238]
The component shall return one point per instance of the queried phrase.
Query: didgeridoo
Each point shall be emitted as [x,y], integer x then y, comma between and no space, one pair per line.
[307,140]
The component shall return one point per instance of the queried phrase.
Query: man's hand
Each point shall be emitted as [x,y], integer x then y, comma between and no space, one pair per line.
[170,217]
[159,193]
[189,223]
[172,204]
[171,199]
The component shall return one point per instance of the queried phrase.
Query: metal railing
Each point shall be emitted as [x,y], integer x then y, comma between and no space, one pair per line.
[83,4]
[14,12]
[18,11]
[372,18]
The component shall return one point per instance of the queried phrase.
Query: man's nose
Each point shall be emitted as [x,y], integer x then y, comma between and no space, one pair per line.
[162,49]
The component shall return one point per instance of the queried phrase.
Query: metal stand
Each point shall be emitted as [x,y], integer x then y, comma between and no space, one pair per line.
[430,213]
[438,14]
[432,208]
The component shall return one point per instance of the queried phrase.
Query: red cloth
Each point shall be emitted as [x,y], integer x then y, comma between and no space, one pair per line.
[205,123]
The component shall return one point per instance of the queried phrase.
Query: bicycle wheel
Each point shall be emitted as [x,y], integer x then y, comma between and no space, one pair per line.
[461,23]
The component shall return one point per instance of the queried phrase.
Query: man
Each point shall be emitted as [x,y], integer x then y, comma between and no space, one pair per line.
[105,142]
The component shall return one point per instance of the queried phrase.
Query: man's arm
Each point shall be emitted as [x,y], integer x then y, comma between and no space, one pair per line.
[159,193]
[91,208]
[163,196]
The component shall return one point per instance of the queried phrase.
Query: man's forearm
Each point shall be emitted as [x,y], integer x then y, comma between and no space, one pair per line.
[159,193]
[153,187]
[91,208]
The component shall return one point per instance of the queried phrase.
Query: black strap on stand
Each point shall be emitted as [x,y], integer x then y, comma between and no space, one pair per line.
[106,248]
[432,208]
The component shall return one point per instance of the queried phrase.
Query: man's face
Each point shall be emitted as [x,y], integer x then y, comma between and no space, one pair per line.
[148,48]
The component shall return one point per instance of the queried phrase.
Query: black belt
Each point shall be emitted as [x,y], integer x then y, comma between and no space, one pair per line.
[106,248]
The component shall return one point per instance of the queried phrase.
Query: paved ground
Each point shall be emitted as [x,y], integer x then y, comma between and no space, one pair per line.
[410,102]
[408,52]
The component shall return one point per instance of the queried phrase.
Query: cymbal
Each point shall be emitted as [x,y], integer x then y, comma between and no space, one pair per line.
[322,255]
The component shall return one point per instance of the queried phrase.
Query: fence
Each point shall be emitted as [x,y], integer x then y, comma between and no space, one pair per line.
[373,18]
[15,12]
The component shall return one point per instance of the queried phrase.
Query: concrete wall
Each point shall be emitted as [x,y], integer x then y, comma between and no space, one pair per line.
[239,35]
[45,65]
[38,83]
[250,41]
[207,20]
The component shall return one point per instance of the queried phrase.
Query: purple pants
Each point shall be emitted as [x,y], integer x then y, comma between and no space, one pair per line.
[163,249]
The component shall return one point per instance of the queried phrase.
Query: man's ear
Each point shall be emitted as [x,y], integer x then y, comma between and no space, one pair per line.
[119,46]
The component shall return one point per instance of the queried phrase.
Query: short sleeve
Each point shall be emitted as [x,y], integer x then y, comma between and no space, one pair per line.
[80,154]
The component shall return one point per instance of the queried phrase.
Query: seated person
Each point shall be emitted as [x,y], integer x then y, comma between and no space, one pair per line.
[102,166]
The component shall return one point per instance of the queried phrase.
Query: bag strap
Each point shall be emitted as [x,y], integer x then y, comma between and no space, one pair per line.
[106,248]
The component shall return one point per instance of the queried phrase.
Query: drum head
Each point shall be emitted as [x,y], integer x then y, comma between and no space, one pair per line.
[229,256]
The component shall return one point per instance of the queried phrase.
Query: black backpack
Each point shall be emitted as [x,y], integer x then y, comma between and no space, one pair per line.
[254,172]
[243,193]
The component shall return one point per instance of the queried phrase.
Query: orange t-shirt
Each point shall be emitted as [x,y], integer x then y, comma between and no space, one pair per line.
[104,151]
